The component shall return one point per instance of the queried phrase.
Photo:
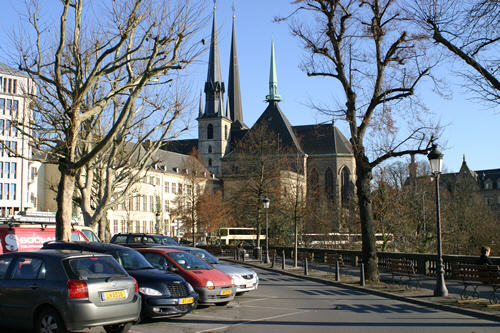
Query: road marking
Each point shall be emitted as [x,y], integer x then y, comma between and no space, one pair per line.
[257,300]
[252,321]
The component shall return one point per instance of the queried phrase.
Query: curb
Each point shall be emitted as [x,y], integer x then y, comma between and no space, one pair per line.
[385,294]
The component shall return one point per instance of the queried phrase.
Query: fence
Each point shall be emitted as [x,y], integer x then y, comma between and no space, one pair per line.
[425,264]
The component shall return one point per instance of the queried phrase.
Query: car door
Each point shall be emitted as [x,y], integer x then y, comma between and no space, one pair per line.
[21,289]
[5,262]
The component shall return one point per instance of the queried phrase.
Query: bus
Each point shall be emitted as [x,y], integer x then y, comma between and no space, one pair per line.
[234,235]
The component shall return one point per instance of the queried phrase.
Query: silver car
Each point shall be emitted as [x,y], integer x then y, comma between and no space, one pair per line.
[244,278]
[61,290]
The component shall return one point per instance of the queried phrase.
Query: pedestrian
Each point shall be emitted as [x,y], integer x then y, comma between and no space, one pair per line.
[241,251]
[484,258]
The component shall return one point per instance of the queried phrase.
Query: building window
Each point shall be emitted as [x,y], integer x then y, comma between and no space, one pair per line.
[15,86]
[314,182]
[329,184]
[151,203]
[167,204]
[144,203]
[15,107]
[6,191]
[179,188]
[225,132]
[209,149]
[13,191]
[137,203]
[209,162]
[210,131]
[488,185]
[1,191]
[13,167]
[174,188]
[8,107]
[345,185]
[167,187]
[6,169]
[2,104]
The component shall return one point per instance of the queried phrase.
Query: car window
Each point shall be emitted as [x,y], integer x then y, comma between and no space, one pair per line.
[26,268]
[90,235]
[131,259]
[205,256]
[136,239]
[4,265]
[157,260]
[77,237]
[189,261]
[119,239]
[87,268]
[165,240]
[149,239]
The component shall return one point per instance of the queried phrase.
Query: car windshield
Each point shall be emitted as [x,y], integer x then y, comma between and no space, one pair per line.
[131,259]
[189,261]
[90,235]
[165,240]
[205,256]
[87,268]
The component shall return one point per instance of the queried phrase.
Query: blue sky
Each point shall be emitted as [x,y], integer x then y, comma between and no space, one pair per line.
[472,129]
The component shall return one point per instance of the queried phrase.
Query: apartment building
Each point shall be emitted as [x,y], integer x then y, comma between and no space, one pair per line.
[18,175]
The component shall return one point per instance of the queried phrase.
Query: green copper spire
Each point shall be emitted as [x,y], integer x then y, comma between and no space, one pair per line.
[273,79]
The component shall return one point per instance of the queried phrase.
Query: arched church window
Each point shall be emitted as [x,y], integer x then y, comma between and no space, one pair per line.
[329,184]
[314,182]
[209,149]
[345,185]
[210,131]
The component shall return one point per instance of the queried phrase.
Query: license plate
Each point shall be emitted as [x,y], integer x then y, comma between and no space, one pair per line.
[116,294]
[226,292]
[187,300]
[250,285]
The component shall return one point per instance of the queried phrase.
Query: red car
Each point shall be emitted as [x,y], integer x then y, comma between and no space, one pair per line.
[212,285]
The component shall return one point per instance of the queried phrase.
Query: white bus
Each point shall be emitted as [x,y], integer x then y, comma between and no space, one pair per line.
[234,235]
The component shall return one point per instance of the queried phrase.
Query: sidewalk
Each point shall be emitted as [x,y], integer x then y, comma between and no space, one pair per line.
[349,278]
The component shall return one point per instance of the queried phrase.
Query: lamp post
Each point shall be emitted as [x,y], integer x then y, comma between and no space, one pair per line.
[266,208]
[436,160]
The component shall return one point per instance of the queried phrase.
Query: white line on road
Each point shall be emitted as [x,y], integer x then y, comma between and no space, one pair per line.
[251,321]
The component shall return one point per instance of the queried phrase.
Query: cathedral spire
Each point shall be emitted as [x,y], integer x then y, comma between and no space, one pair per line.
[233,90]
[273,79]
[200,111]
[214,87]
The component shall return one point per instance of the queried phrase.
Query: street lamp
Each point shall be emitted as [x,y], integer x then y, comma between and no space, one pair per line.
[266,208]
[436,160]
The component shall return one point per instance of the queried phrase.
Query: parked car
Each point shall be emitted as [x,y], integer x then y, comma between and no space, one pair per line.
[59,291]
[244,278]
[212,285]
[143,240]
[164,294]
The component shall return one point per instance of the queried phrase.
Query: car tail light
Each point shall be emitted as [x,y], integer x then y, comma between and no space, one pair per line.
[77,289]
[136,286]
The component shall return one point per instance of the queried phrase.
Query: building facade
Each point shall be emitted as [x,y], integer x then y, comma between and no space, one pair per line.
[18,175]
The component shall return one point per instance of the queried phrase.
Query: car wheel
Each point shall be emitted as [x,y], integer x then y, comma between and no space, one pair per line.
[49,321]
[222,303]
[119,328]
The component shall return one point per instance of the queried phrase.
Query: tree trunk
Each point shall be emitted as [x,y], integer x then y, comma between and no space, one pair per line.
[102,229]
[369,249]
[64,200]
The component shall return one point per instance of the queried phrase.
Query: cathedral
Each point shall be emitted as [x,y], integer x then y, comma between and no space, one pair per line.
[326,158]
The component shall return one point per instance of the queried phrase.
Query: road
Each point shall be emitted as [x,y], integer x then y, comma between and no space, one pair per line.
[289,304]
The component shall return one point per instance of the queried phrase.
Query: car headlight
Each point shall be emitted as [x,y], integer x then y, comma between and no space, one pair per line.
[150,291]
[190,287]
[233,281]
[210,284]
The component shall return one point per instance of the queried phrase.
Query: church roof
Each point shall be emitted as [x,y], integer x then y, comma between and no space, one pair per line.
[181,146]
[322,139]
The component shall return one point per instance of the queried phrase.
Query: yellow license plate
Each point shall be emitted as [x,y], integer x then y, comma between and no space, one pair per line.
[116,294]
[187,300]
[226,292]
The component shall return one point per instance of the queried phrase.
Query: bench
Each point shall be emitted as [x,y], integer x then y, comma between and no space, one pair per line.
[478,275]
[332,258]
[403,268]
[303,255]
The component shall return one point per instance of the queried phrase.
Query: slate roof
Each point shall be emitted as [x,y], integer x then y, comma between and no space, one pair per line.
[181,146]
[492,174]
[322,139]
[4,69]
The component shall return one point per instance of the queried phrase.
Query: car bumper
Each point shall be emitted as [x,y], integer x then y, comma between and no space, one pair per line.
[245,286]
[81,314]
[215,295]
[161,307]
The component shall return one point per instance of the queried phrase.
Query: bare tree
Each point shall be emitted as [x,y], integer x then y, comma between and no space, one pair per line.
[365,47]
[101,68]
[469,31]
